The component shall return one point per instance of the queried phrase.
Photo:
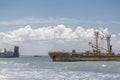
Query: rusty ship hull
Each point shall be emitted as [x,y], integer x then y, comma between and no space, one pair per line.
[57,56]
[96,54]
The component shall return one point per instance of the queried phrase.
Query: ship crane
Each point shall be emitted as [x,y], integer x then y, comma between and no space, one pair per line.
[97,48]
[109,46]
[96,33]
[94,47]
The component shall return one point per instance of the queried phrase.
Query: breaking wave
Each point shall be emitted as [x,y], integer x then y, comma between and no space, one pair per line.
[47,74]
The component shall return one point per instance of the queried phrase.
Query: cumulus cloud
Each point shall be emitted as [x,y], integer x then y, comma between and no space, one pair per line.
[42,40]
[46,33]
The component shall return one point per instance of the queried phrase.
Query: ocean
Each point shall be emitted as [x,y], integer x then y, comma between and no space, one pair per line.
[42,68]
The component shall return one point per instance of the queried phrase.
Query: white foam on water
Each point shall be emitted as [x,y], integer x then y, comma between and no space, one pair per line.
[3,77]
[51,74]
[1,63]
[103,65]
[22,64]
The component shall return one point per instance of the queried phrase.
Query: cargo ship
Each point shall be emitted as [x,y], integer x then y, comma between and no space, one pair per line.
[10,54]
[96,54]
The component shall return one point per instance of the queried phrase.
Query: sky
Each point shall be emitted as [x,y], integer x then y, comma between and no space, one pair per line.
[37,26]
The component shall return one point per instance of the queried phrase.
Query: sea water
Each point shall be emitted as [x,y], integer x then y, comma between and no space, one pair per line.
[42,68]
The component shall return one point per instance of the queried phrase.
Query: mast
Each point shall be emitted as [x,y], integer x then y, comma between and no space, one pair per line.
[96,33]
[109,47]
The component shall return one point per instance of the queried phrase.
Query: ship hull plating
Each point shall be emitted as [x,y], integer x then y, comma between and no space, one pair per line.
[78,57]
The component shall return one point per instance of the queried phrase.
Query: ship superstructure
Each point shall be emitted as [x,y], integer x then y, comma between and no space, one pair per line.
[10,54]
